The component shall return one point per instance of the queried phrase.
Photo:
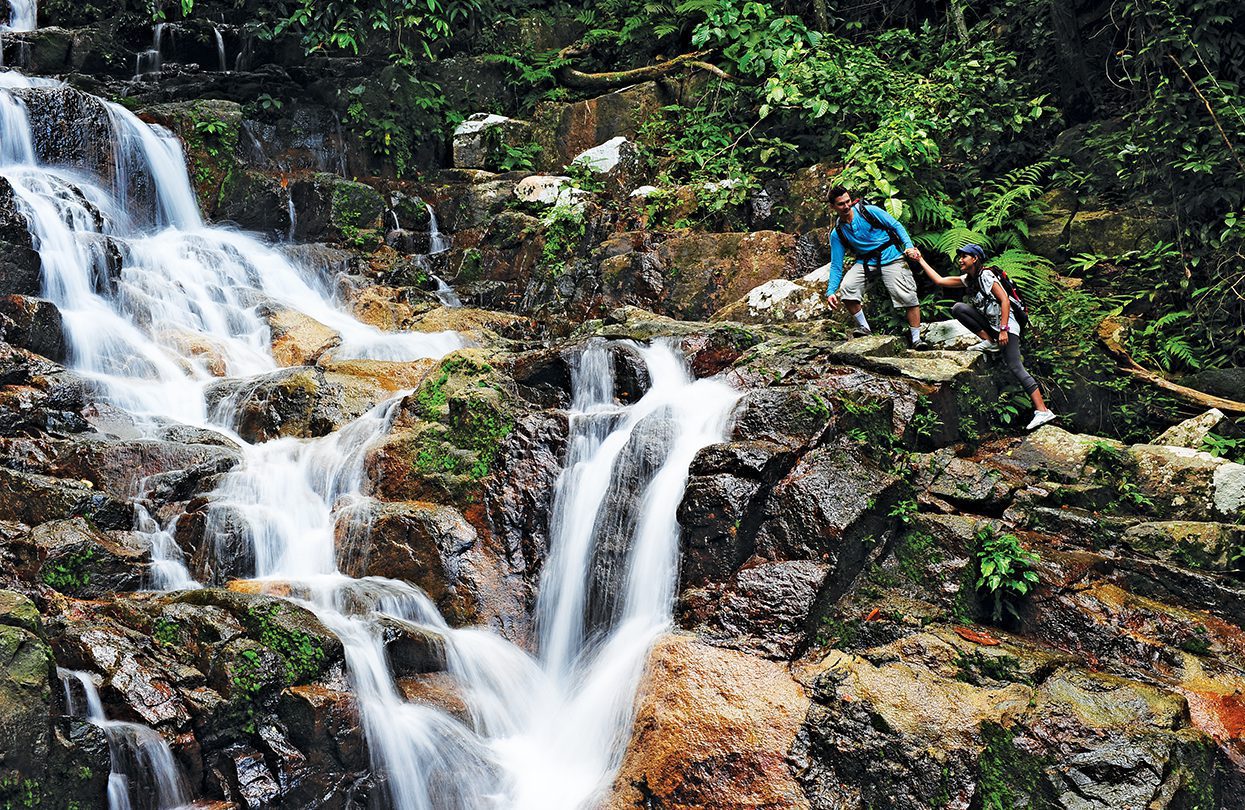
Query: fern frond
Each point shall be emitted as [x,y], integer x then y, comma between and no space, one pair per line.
[1033,273]
[949,241]
[1007,197]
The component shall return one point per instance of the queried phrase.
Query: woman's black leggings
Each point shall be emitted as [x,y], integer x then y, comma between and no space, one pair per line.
[976,322]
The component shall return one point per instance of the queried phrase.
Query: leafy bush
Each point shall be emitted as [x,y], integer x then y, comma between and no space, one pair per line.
[1006,571]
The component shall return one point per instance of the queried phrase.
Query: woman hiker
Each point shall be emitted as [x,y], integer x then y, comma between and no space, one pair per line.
[988,306]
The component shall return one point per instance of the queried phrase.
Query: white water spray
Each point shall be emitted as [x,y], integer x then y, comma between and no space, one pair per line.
[153,316]
[23,15]
[142,762]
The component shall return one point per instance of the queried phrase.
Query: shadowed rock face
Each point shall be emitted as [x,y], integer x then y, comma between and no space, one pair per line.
[19,263]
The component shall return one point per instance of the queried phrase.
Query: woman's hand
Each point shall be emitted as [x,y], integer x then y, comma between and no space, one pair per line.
[1004,337]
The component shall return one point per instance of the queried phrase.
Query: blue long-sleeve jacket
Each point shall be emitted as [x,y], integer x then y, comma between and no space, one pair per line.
[863,238]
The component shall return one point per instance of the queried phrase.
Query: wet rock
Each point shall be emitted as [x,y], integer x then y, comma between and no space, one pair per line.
[20,266]
[1052,452]
[325,723]
[518,501]
[891,732]
[973,486]
[1191,432]
[1206,546]
[300,401]
[332,209]
[435,548]
[125,468]
[217,540]
[471,204]
[831,506]
[932,720]
[710,270]
[79,561]
[1101,232]
[254,201]
[33,324]
[726,486]
[447,435]
[413,650]
[769,608]
[712,729]
[33,498]
[479,141]
[298,339]
[1185,483]
[472,82]
[26,677]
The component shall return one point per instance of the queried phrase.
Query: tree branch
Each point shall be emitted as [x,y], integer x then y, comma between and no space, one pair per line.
[1111,333]
[612,80]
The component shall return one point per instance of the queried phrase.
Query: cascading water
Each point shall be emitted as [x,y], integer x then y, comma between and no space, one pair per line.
[22,15]
[144,307]
[220,50]
[144,773]
[439,243]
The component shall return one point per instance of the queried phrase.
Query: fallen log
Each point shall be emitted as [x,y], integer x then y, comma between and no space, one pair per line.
[1111,333]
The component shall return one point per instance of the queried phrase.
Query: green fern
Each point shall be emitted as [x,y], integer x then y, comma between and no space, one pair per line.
[1005,195]
[949,241]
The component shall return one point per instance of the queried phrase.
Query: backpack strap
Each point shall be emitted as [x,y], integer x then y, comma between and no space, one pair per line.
[873,256]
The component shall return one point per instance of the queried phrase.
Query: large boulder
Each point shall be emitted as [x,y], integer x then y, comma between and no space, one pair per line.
[934,720]
[564,130]
[712,729]
[434,547]
[26,677]
[708,270]
[481,141]
[33,324]
[1186,483]
[329,208]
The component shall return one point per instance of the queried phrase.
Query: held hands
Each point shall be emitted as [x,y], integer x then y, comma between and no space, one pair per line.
[913,253]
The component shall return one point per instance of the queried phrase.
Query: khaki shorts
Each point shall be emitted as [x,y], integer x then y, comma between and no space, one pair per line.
[896,276]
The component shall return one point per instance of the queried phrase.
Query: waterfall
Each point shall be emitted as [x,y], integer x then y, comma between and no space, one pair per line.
[220,49]
[156,305]
[437,241]
[142,763]
[23,15]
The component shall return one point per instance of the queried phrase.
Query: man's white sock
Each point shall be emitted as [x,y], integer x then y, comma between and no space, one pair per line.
[860,319]
[915,332]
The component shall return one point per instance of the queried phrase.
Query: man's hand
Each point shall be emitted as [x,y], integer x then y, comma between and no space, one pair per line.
[833,301]
[913,253]
[1003,338]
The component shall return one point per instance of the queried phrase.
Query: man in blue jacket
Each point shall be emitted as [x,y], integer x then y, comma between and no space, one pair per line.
[876,240]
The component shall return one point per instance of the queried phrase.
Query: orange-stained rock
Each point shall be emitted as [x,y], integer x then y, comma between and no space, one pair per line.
[712,730]
[711,270]
[298,339]
[387,375]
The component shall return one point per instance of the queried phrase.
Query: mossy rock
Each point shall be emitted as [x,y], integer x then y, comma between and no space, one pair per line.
[330,208]
[450,431]
[304,646]
[209,128]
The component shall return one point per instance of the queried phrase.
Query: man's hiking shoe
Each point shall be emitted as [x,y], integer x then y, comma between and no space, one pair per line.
[1040,418]
[921,346]
[860,331]
[985,346]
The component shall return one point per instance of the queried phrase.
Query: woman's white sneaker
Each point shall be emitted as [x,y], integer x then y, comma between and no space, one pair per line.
[1040,418]
[984,346]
